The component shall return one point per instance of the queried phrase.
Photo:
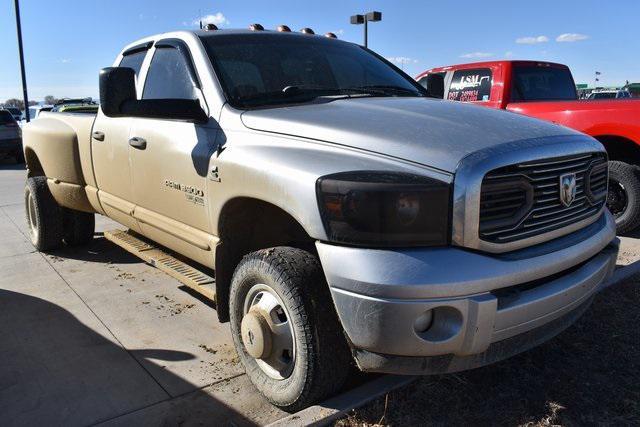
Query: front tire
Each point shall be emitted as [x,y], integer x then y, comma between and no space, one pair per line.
[44,216]
[623,198]
[285,328]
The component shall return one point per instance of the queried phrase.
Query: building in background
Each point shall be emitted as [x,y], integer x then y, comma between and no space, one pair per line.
[583,90]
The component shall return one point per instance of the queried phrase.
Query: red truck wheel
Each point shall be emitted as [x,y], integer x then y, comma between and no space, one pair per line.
[623,199]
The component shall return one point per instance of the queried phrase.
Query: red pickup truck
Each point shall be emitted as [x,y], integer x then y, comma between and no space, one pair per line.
[547,91]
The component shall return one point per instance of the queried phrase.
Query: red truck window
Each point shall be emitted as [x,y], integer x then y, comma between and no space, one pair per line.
[423,81]
[536,83]
[471,85]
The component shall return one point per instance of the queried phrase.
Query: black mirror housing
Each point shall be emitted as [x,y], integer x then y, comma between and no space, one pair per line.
[435,85]
[118,99]
[117,85]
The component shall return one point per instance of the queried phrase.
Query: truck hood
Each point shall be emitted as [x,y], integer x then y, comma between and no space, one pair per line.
[431,132]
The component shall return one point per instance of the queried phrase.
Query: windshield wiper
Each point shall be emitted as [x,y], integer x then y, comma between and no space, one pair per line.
[307,92]
[295,90]
[299,93]
[389,90]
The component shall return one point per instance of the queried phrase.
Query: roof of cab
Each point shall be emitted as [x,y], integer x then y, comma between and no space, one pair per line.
[149,40]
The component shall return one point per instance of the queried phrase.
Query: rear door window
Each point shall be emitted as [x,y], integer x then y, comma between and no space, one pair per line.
[471,85]
[169,76]
[134,61]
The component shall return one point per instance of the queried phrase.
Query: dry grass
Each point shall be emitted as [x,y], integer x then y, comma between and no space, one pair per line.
[588,375]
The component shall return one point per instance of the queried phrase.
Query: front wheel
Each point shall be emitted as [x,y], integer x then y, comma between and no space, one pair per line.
[623,198]
[285,328]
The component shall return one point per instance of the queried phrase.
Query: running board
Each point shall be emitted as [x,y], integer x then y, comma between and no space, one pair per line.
[155,256]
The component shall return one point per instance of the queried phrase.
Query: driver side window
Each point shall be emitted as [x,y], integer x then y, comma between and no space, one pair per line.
[169,76]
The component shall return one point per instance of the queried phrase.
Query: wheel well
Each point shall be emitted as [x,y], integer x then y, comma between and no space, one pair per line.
[247,225]
[620,148]
[33,163]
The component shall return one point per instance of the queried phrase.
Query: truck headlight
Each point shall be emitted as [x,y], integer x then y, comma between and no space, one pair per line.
[374,208]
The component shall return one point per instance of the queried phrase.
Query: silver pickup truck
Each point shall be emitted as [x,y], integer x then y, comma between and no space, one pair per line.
[346,215]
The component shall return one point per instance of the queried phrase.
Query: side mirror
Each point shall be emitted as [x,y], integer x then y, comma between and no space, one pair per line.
[435,86]
[118,99]
[117,85]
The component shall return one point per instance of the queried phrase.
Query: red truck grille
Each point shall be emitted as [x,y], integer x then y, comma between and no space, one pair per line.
[527,199]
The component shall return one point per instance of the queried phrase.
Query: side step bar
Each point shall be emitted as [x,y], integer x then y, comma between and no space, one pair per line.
[155,256]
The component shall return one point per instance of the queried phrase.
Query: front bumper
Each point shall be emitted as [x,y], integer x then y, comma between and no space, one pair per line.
[477,302]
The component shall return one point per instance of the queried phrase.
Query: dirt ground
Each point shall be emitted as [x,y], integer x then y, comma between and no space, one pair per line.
[588,375]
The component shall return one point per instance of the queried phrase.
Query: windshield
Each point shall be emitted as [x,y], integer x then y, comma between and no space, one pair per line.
[535,83]
[263,69]
[603,95]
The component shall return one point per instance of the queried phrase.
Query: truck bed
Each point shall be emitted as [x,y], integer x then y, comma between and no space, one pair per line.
[594,117]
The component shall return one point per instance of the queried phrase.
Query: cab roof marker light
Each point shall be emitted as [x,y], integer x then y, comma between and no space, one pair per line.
[307,30]
[210,27]
[284,28]
[256,27]
[331,35]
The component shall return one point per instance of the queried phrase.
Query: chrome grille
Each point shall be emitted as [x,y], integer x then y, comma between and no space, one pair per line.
[523,200]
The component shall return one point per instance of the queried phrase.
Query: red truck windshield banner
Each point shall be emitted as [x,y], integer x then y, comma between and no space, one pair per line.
[470,85]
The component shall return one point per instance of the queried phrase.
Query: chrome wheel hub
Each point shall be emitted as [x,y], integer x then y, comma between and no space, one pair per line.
[267,333]
[31,216]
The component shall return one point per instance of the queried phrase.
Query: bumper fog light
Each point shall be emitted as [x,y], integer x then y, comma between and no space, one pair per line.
[423,322]
[439,324]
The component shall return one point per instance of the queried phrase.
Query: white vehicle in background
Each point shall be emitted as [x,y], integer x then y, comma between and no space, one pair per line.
[34,112]
[609,94]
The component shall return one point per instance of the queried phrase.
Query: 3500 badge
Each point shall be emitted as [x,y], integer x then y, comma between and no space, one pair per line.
[193,194]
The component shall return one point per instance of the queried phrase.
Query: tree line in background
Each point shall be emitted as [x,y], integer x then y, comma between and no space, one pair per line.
[19,103]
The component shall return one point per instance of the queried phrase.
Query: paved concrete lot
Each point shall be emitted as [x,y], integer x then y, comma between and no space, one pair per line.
[94,335]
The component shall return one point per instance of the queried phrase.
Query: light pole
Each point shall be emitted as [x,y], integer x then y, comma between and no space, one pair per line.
[364,19]
[21,54]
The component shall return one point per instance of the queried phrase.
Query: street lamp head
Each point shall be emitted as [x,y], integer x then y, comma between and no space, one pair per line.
[374,16]
[357,19]
[365,19]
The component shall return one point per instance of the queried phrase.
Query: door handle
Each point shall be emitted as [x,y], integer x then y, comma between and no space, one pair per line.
[137,142]
[98,136]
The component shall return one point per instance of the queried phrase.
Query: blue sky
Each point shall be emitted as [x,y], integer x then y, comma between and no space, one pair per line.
[68,41]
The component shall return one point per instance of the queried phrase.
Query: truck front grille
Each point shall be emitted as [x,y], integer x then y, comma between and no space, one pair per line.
[527,199]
